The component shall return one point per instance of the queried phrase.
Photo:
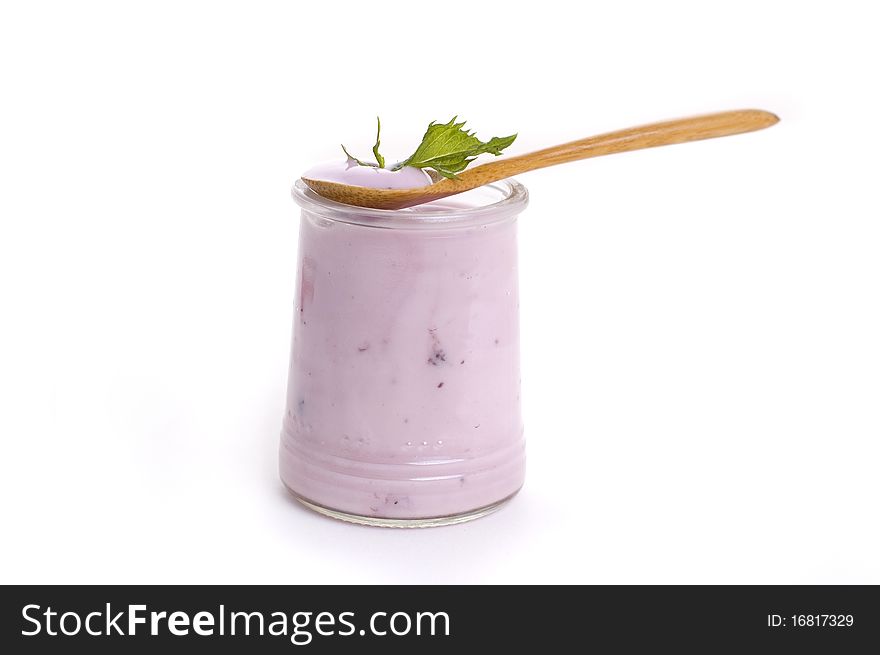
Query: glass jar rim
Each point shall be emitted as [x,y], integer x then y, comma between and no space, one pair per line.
[513,199]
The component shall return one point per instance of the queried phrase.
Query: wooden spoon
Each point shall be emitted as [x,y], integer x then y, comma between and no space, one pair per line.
[635,138]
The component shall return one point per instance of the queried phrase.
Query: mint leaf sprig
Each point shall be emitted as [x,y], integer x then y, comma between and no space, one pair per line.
[379,158]
[446,148]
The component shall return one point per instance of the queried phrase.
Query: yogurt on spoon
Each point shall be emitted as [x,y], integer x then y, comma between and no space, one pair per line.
[446,148]
[354,174]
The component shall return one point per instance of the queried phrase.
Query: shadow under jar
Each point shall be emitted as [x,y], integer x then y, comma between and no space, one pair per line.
[403,402]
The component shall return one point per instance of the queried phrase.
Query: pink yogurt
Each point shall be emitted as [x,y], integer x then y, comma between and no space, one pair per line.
[404,387]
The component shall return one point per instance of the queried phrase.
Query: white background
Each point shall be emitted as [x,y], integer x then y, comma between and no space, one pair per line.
[701,323]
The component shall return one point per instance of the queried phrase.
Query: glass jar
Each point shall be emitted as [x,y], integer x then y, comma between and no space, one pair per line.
[403,403]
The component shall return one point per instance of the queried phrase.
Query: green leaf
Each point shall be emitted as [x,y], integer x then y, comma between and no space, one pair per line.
[356,160]
[379,158]
[448,148]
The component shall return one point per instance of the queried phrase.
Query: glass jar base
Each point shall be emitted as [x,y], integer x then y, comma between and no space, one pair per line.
[379,522]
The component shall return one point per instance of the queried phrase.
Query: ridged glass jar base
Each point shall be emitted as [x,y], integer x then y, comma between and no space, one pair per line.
[378,522]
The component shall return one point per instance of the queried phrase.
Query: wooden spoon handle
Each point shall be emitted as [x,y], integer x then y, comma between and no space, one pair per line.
[682,130]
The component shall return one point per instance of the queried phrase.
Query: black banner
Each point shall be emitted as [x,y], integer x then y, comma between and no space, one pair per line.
[113,619]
